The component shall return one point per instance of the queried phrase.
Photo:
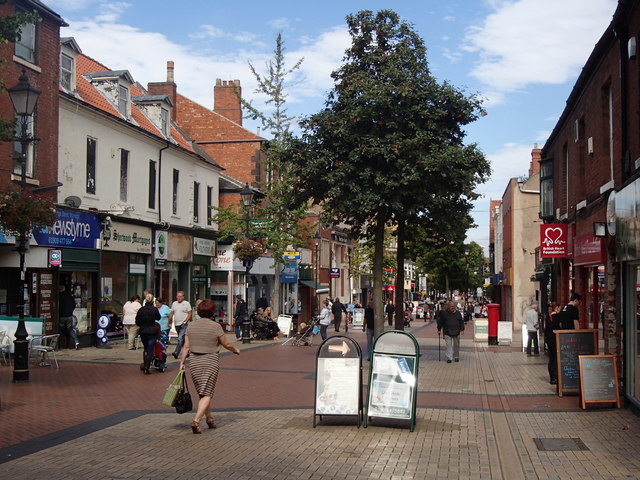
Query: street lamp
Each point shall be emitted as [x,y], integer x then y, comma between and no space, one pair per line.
[316,239]
[247,194]
[24,98]
[467,250]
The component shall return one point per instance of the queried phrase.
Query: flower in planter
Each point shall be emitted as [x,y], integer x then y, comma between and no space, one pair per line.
[21,211]
[247,249]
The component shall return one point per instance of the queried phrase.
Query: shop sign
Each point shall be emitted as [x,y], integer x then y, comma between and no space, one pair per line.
[288,256]
[71,229]
[336,237]
[160,253]
[289,273]
[553,240]
[125,237]
[588,250]
[204,246]
[223,261]
[334,273]
[180,247]
[55,258]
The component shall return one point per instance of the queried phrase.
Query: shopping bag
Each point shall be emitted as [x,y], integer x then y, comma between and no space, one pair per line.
[183,403]
[171,394]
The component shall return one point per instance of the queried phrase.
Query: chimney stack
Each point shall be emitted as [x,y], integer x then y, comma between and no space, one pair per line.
[226,99]
[168,88]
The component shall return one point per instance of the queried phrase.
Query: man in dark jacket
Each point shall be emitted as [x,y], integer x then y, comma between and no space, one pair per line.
[451,321]
[337,308]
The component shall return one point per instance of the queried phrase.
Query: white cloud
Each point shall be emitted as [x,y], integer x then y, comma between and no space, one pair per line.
[280,24]
[70,4]
[536,41]
[111,12]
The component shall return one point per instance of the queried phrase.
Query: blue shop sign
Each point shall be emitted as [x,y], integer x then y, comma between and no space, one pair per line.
[71,229]
[289,273]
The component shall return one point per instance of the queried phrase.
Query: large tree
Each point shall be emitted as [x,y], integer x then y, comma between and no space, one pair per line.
[388,146]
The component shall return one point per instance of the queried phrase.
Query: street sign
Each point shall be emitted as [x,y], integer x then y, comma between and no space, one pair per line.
[55,258]
[291,255]
[261,224]
[334,273]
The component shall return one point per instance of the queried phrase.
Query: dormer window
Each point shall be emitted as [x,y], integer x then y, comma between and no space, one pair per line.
[156,108]
[123,100]
[66,72]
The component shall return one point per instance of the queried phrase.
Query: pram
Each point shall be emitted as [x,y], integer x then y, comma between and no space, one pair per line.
[304,336]
[159,359]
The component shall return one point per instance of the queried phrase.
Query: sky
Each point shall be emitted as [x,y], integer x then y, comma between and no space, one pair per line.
[521,56]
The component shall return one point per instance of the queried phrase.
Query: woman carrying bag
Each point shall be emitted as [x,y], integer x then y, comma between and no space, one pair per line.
[202,345]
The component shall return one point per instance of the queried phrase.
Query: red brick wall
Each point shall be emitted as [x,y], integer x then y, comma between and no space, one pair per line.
[226,99]
[46,80]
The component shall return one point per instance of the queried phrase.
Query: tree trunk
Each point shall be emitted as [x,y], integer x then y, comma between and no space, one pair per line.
[275,301]
[378,302]
[399,294]
[446,286]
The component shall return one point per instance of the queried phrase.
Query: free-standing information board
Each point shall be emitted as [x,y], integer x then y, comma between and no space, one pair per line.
[570,344]
[284,324]
[598,380]
[393,377]
[338,379]
[358,317]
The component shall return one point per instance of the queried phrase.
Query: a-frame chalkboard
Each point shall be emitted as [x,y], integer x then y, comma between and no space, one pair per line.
[598,380]
[570,344]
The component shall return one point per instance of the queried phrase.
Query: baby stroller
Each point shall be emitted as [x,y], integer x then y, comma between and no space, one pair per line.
[159,359]
[304,336]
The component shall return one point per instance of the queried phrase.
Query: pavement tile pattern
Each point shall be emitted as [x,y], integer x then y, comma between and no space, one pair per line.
[98,417]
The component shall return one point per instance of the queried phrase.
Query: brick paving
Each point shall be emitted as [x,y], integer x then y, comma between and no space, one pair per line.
[98,417]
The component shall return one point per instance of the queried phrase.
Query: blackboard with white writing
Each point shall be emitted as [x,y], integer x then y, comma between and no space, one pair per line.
[598,380]
[570,344]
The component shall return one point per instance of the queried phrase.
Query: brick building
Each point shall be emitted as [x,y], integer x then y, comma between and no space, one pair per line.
[590,182]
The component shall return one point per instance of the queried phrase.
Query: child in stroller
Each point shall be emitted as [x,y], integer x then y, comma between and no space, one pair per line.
[159,359]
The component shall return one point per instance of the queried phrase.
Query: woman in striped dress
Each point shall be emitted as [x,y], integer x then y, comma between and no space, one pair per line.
[202,346]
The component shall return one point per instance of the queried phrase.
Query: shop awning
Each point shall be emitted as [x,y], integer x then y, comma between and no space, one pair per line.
[310,284]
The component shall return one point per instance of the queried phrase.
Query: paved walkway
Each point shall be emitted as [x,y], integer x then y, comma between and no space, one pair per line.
[98,417]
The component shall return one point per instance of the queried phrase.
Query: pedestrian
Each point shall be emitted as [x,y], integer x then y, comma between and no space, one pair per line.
[129,311]
[240,315]
[202,346]
[145,294]
[337,309]
[262,303]
[369,318]
[390,309]
[450,321]
[532,321]
[325,319]
[568,317]
[180,317]
[164,311]
[551,326]
[146,319]
[66,306]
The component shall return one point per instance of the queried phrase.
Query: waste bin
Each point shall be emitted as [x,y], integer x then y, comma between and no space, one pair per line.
[493,311]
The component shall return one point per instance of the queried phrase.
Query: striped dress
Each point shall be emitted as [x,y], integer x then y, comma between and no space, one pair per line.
[204,356]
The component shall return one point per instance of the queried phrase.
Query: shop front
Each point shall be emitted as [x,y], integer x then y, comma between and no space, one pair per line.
[624,224]
[125,265]
[173,255]
[204,250]
[589,257]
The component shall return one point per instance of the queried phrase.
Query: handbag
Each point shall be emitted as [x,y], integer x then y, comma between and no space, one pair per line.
[183,402]
[171,394]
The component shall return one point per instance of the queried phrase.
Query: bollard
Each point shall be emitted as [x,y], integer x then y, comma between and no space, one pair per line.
[246,331]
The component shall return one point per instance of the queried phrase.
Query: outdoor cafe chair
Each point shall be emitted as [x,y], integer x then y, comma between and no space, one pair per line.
[44,346]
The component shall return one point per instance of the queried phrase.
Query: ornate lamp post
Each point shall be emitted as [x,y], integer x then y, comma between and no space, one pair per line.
[247,195]
[24,98]
[316,239]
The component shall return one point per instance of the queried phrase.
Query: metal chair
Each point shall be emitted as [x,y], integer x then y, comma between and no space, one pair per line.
[44,346]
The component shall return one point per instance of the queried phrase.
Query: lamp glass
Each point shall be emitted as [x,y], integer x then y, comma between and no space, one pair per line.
[23,96]
[247,195]
[599,229]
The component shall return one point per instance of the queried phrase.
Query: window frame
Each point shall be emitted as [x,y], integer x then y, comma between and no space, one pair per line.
[124,174]
[174,193]
[92,153]
[26,48]
[153,179]
[67,72]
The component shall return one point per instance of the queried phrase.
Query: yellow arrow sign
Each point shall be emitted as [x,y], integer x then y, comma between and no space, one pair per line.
[344,348]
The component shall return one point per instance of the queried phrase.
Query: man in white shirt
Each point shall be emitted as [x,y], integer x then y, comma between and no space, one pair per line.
[531,320]
[180,316]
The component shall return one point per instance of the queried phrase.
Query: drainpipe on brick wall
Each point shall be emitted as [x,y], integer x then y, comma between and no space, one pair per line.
[160,181]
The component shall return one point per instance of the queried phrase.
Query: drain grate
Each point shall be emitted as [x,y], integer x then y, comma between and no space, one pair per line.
[560,444]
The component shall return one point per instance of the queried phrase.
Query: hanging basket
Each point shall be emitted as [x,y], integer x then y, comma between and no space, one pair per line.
[247,249]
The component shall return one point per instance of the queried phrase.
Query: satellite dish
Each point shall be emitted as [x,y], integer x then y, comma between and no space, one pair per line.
[611,213]
[72,201]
